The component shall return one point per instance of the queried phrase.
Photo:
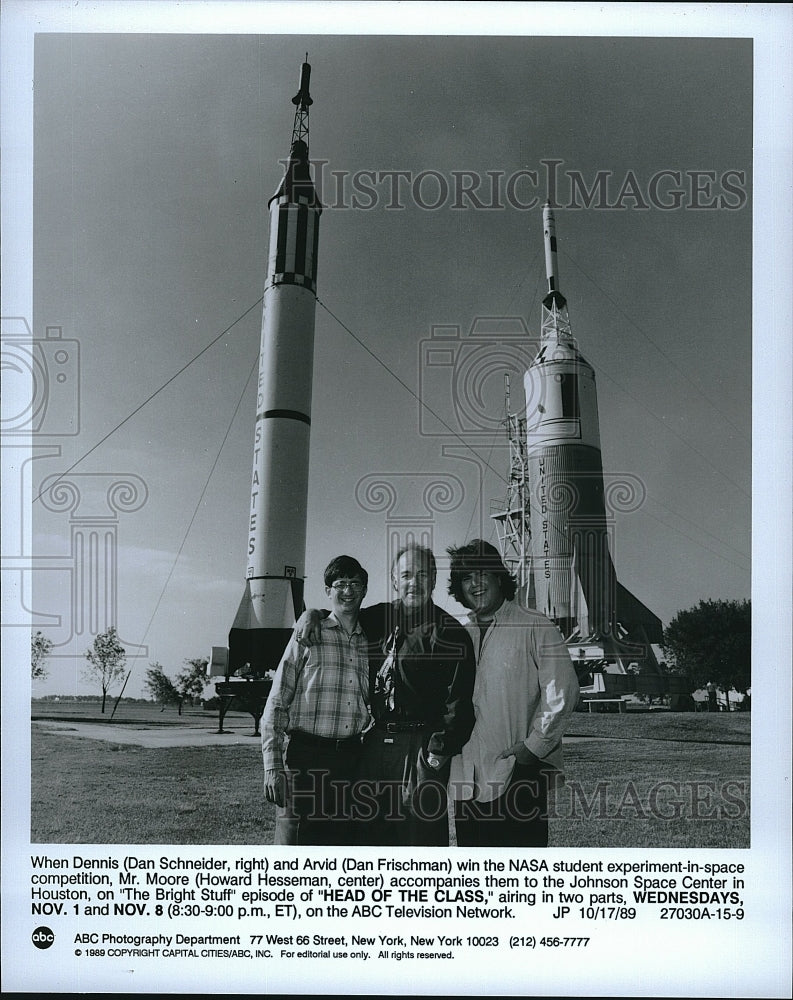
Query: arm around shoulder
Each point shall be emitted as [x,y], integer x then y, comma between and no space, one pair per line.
[308,628]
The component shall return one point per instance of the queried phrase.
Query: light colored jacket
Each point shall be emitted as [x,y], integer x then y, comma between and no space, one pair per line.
[526,687]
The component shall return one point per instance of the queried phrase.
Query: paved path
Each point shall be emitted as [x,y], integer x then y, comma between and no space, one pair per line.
[238,731]
[157,736]
[173,736]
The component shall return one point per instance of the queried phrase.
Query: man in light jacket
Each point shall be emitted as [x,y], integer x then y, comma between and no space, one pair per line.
[525,689]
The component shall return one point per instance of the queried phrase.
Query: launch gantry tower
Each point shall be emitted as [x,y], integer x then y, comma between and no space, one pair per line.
[511,515]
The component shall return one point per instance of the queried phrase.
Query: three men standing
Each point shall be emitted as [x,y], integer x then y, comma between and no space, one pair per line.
[491,732]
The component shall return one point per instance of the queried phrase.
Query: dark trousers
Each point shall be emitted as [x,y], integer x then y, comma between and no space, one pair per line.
[399,800]
[317,806]
[518,818]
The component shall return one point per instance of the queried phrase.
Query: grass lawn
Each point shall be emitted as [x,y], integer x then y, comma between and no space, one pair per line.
[638,793]
[86,791]
[648,780]
[655,779]
[698,726]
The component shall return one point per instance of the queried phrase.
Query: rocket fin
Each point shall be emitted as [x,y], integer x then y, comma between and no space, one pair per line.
[261,644]
[632,614]
[245,617]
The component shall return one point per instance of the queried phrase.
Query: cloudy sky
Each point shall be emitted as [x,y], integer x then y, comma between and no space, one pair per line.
[155,155]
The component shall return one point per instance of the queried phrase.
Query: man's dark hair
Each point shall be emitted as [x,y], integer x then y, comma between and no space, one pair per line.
[478,556]
[345,566]
[421,551]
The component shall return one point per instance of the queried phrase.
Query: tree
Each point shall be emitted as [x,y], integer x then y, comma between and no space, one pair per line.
[40,649]
[161,687]
[191,681]
[106,659]
[713,642]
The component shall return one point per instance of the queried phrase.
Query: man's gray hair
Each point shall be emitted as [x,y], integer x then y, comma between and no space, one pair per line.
[421,551]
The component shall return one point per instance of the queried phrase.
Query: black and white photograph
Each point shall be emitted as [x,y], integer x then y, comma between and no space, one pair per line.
[396,498]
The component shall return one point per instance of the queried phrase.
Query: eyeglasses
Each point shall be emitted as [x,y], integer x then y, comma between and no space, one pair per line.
[354,585]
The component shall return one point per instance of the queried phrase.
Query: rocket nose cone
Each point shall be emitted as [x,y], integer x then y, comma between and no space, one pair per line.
[297,181]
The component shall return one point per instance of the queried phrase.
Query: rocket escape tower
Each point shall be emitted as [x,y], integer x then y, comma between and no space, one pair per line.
[302,102]
[553,527]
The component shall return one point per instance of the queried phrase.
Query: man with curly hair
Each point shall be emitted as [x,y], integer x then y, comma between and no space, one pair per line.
[526,687]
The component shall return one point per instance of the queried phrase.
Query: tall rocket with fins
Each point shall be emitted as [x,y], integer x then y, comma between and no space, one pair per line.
[573,575]
[273,596]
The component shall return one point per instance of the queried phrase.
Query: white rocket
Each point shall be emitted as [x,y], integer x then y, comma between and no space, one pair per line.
[573,575]
[273,596]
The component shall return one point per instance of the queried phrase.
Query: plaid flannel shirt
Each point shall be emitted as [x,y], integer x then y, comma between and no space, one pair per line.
[322,690]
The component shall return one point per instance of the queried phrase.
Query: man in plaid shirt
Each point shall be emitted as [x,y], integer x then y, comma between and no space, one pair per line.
[315,716]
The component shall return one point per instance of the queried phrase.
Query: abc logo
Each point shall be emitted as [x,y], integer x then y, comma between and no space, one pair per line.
[43,937]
